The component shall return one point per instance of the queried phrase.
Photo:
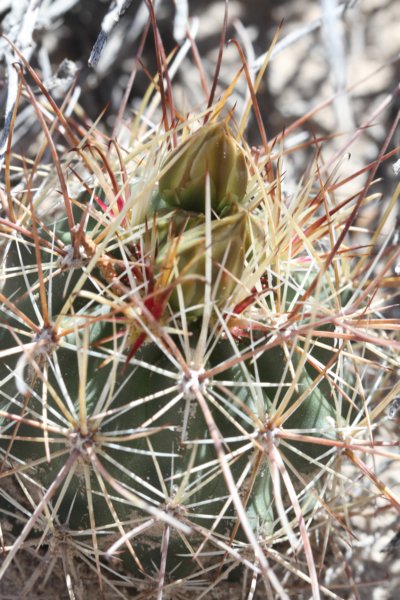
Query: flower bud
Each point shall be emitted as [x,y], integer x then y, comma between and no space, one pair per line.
[211,150]
[185,257]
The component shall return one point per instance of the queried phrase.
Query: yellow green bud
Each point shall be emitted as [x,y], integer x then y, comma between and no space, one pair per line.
[184,258]
[211,150]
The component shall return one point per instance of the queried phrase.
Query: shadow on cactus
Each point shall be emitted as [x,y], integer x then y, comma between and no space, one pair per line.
[189,358]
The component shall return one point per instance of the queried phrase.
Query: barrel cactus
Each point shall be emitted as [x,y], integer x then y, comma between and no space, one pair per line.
[184,351]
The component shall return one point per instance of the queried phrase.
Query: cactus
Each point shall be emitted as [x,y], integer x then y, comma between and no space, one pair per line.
[182,376]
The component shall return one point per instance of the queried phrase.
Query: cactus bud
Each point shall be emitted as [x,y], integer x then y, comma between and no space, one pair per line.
[230,240]
[211,150]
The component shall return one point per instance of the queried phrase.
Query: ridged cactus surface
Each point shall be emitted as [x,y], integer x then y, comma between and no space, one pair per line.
[182,368]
